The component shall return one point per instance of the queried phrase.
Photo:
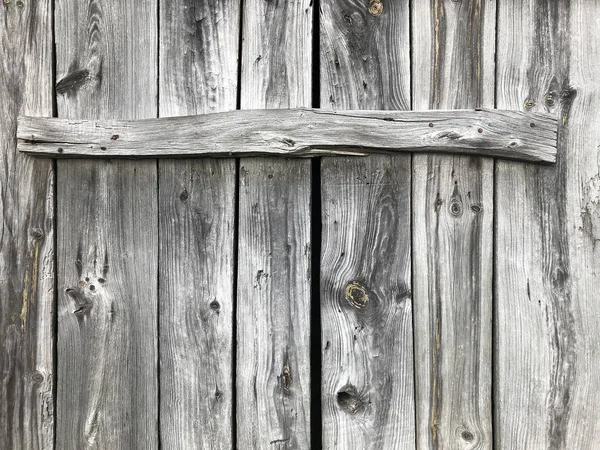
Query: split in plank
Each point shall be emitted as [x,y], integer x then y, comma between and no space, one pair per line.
[297,132]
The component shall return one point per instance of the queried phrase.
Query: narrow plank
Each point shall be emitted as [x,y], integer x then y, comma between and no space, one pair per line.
[298,133]
[107,234]
[546,343]
[453,207]
[366,305]
[273,295]
[26,233]
[198,74]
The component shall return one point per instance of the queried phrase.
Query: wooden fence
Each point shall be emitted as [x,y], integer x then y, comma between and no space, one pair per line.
[394,301]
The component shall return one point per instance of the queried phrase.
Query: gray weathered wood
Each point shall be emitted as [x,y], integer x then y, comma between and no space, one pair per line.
[26,233]
[366,306]
[548,262]
[198,74]
[453,207]
[273,295]
[300,132]
[107,234]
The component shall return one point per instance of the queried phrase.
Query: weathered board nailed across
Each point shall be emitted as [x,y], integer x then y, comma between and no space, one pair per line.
[303,224]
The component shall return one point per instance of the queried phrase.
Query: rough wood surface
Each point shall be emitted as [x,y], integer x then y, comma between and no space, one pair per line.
[548,262]
[453,207]
[198,74]
[26,233]
[366,305]
[300,132]
[107,234]
[273,295]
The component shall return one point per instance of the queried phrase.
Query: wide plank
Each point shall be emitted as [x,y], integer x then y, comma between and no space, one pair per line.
[367,387]
[548,265]
[453,208]
[298,133]
[27,268]
[274,272]
[107,393]
[198,74]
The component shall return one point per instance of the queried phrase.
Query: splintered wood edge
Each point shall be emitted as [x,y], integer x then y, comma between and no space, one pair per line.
[514,135]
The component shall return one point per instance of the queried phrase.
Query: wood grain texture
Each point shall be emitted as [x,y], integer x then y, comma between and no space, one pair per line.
[107,234]
[198,74]
[298,133]
[453,207]
[273,362]
[366,301]
[366,313]
[546,341]
[197,220]
[26,233]
[273,295]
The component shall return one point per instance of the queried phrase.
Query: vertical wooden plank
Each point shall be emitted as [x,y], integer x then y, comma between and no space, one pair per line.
[273,310]
[453,63]
[366,300]
[198,74]
[26,233]
[546,343]
[107,234]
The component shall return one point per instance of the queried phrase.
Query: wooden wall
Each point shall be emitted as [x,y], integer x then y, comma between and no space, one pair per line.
[385,302]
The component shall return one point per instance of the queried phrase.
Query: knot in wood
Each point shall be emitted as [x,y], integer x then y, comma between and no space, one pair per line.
[455,208]
[350,400]
[550,98]
[184,196]
[215,305]
[356,295]
[476,208]
[529,103]
[286,378]
[375,7]
[37,377]
[37,234]
[467,436]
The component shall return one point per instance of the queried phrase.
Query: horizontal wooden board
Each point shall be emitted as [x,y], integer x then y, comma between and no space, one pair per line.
[298,132]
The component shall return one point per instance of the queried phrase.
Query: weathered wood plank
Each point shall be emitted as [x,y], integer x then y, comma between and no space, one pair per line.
[273,295]
[26,233]
[547,270]
[273,363]
[366,312]
[198,74]
[107,234]
[298,133]
[453,207]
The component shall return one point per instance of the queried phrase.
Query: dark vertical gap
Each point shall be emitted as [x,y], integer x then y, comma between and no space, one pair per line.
[316,54]
[238,100]
[236,234]
[315,253]
[158,385]
[55,303]
[158,58]
[53,28]
[315,313]
[55,237]
[158,394]
[412,248]
[494,245]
